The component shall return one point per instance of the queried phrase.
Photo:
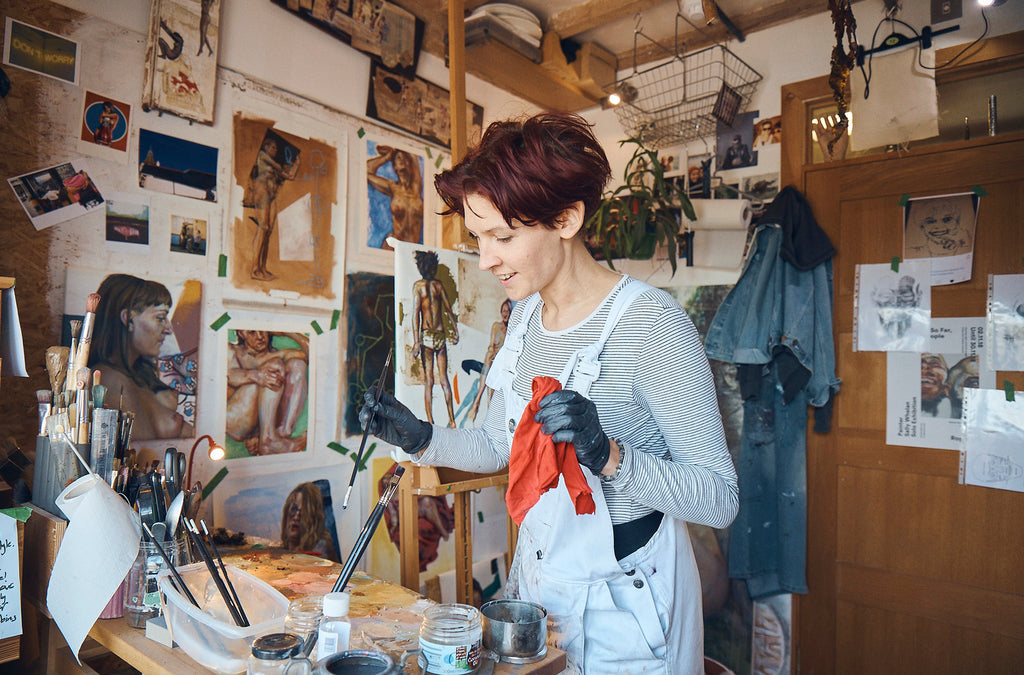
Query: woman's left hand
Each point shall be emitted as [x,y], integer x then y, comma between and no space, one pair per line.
[570,417]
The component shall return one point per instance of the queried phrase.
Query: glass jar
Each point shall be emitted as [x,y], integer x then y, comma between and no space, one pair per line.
[277,654]
[304,614]
[450,638]
[141,597]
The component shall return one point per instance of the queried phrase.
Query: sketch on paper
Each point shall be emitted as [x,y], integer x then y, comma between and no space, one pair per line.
[892,310]
[993,446]
[282,238]
[268,391]
[145,345]
[941,229]
[1006,321]
[181,58]
[925,392]
[394,179]
[370,314]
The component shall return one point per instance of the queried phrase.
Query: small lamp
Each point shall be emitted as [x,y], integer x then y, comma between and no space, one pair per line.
[215,452]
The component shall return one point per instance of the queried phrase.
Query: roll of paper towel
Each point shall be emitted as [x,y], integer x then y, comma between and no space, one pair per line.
[97,551]
[720,214]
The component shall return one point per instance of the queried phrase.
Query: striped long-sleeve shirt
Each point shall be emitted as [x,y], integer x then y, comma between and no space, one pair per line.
[655,396]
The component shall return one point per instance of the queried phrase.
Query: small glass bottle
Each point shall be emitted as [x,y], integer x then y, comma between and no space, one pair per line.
[304,614]
[277,654]
[450,638]
[335,628]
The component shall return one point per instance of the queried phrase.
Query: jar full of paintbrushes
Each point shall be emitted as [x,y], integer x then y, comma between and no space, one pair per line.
[141,598]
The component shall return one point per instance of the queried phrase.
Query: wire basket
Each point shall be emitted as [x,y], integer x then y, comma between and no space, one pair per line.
[682,99]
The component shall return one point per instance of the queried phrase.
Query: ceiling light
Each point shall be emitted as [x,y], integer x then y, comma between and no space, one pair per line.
[991,3]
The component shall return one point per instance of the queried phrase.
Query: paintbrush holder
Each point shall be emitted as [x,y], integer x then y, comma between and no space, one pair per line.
[141,595]
[56,468]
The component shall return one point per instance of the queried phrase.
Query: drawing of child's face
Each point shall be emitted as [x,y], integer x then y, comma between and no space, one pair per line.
[940,223]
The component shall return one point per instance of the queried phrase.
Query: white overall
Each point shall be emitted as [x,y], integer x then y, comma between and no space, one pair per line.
[611,617]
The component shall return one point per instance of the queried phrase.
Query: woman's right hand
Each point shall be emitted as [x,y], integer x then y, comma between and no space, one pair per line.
[393,422]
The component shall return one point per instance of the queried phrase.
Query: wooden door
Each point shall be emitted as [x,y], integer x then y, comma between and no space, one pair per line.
[909,571]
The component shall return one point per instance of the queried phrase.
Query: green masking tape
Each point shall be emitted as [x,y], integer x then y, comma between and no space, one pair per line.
[18,513]
[338,447]
[904,198]
[316,327]
[222,266]
[1008,388]
[361,132]
[978,190]
[430,155]
[895,263]
[221,320]
[335,317]
[438,161]
[214,482]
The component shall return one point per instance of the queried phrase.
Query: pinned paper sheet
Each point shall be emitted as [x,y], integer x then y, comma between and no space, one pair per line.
[98,549]
[902,104]
[10,579]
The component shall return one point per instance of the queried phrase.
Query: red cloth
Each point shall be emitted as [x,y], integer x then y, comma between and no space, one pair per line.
[536,462]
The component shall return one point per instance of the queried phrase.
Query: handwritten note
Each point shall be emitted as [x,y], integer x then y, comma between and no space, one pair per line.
[10,579]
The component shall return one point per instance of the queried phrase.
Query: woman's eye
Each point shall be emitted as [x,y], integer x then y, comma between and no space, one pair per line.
[503,240]
[473,236]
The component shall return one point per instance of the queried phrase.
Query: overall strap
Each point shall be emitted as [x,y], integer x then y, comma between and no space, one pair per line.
[584,364]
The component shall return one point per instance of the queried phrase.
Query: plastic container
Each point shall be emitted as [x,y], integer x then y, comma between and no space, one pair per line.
[335,629]
[207,633]
[450,638]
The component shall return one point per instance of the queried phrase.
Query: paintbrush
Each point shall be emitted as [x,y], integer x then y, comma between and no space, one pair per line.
[44,397]
[69,381]
[57,367]
[85,342]
[369,425]
[82,407]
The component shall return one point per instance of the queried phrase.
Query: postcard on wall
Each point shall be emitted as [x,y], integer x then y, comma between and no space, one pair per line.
[697,168]
[40,51]
[127,227]
[892,309]
[993,447]
[181,58]
[925,392]
[105,122]
[767,130]
[189,234]
[57,193]
[734,142]
[941,229]
[177,166]
[1006,321]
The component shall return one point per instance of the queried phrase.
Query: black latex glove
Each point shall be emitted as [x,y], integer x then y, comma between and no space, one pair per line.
[394,423]
[572,418]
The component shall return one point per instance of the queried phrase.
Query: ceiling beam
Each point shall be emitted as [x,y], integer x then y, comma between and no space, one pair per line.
[593,13]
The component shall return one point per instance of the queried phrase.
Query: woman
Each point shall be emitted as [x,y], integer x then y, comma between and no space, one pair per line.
[406,193]
[132,322]
[302,522]
[637,404]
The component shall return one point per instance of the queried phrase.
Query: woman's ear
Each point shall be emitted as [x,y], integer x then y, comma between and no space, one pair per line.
[126,318]
[571,221]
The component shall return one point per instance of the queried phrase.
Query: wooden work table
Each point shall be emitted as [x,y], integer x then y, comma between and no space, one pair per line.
[384,616]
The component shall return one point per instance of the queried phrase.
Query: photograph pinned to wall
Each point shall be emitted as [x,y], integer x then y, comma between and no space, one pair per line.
[734,142]
[673,161]
[764,187]
[992,454]
[385,31]
[436,523]
[370,326]
[395,195]
[176,166]
[767,131]
[286,196]
[145,345]
[127,224]
[57,193]
[189,234]
[892,309]
[1005,321]
[105,122]
[418,106]
[446,312]
[941,229]
[40,51]
[925,392]
[723,190]
[181,58]
[269,384]
[698,176]
[291,509]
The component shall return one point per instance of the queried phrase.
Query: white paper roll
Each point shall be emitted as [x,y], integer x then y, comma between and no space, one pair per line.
[720,214]
[97,551]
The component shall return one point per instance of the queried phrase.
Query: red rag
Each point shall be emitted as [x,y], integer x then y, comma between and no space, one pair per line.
[536,462]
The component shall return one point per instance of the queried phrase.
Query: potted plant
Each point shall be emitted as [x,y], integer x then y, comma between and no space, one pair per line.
[642,213]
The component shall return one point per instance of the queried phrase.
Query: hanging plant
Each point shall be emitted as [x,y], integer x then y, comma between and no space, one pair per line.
[642,213]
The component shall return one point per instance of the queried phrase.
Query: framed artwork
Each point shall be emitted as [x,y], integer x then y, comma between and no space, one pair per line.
[177,166]
[105,121]
[40,51]
[390,34]
[417,106]
[284,203]
[161,386]
[180,74]
[268,389]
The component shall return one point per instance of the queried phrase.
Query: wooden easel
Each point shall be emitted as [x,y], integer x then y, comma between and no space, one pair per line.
[431,481]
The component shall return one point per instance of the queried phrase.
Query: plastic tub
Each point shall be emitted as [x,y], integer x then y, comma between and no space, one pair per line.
[209,635]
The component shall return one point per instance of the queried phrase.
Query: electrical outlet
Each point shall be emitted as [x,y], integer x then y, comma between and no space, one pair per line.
[946,10]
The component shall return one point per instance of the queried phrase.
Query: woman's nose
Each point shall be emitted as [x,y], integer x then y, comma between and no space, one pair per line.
[487,258]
